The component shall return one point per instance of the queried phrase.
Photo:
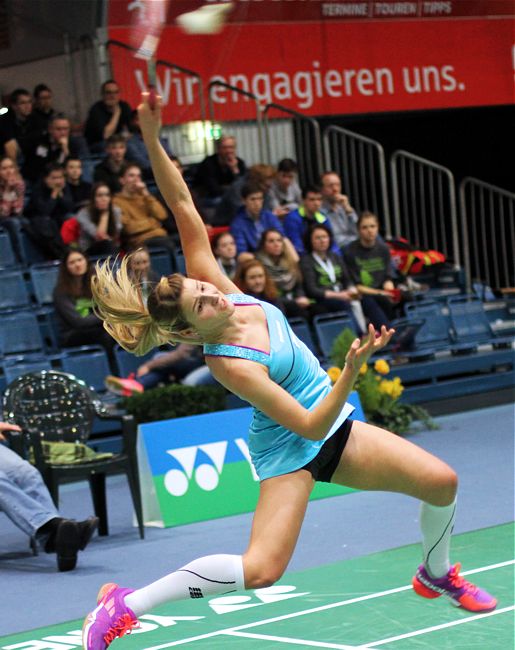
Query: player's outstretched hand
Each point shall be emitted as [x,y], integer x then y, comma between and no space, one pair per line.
[361,351]
[150,116]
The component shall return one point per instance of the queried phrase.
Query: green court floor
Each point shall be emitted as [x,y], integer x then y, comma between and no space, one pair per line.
[365,602]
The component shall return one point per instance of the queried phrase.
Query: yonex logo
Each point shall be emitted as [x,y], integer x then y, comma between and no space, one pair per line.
[205,474]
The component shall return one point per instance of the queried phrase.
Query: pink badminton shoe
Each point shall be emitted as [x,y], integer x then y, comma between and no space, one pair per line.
[111,619]
[460,592]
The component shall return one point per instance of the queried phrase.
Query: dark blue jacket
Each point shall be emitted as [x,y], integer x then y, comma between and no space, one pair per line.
[247,232]
[296,224]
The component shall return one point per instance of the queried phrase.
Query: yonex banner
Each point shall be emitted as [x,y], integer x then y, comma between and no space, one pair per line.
[198,468]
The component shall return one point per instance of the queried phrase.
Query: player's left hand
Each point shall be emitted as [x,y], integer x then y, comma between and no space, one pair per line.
[361,351]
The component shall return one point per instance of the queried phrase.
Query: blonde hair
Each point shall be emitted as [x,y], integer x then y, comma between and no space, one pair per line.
[135,326]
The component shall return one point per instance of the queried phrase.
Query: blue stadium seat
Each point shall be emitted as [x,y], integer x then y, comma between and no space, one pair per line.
[29,253]
[470,322]
[128,363]
[20,333]
[160,261]
[44,278]
[7,256]
[180,263]
[302,331]
[13,290]
[89,363]
[328,327]
[16,366]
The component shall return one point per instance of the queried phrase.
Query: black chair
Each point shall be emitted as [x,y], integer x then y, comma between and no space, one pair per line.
[54,406]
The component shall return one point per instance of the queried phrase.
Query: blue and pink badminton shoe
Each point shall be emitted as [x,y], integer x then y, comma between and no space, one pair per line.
[110,620]
[460,592]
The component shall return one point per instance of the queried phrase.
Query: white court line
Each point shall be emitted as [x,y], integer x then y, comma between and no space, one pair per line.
[426,630]
[283,639]
[313,610]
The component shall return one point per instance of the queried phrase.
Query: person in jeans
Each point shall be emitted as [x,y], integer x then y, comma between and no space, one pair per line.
[25,499]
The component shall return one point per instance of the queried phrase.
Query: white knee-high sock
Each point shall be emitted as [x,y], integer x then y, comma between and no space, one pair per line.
[437,523]
[214,574]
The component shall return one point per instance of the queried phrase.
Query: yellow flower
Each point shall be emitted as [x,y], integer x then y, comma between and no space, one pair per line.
[363,369]
[334,373]
[397,390]
[386,387]
[382,367]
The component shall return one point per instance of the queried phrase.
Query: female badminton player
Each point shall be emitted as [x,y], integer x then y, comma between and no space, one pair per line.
[301,430]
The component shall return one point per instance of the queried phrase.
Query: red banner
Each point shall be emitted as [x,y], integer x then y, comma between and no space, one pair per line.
[329,67]
[121,12]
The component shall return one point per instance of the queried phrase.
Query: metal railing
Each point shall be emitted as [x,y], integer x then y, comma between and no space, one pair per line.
[248,131]
[181,88]
[487,233]
[360,162]
[424,204]
[290,134]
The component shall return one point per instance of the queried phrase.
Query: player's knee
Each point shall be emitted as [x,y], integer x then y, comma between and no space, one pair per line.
[260,574]
[446,486]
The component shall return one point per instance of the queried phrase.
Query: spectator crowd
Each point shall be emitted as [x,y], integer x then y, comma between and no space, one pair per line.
[85,194]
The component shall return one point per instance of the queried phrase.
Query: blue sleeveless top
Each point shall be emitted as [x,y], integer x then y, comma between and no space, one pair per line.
[274,449]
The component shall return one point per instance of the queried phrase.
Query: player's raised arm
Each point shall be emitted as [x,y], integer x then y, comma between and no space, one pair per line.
[200,262]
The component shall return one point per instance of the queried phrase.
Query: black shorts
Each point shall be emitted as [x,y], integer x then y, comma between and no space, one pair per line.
[324,464]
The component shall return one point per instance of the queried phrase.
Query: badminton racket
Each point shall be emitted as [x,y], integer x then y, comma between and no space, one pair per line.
[146,29]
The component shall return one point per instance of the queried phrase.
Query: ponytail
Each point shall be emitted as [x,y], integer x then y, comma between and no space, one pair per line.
[119,303]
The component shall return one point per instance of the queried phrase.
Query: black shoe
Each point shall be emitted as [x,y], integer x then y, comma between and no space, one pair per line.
[67,544]
[87,529]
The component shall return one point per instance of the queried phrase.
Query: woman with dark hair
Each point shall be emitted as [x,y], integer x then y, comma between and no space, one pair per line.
[100,223]
[252,279]
[328,283]
[284,270]
[224,250]
[78,325]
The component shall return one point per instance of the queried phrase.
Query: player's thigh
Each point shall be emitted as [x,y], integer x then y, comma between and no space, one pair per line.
[375,459]
[276,526]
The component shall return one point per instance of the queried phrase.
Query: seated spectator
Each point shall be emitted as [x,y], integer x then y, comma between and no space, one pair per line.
[136,150]
[224,249]
[251,220]
[111,167]
[43,109]
[107,116]
[12,190]
[141,272]
[253,279]
[16,126]
[164,368]
[50,205]
[285,192]
[54,146]
[337,208]
[326,281]
[25,499]
[100,223]
[78,324]
[285,272]
[262,175]
[298,222]
[142,214]
[218,172]
[79,189]
[370,267]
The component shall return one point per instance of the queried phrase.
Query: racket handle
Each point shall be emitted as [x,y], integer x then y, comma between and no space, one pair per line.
[152,97]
